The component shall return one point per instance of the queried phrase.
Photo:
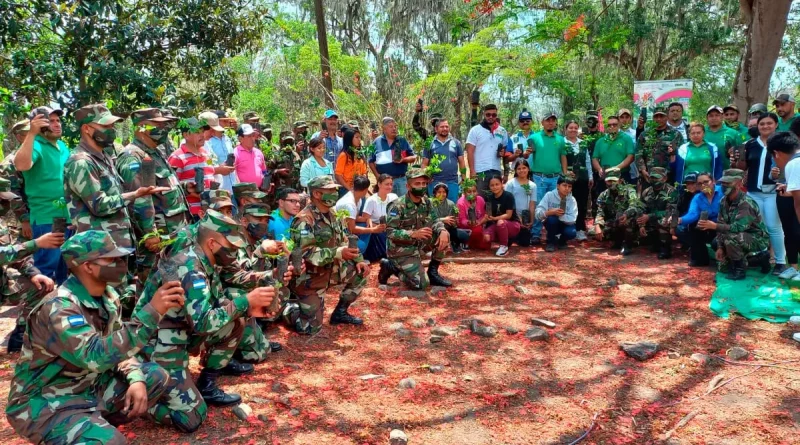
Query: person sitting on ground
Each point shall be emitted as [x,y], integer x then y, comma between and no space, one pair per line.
[559,213]
[705,205]
[617,209]
[680,206]
[353,202]
[448,214]
[376,210]
[471,210]
[524,190]
[501,223]
[654,222]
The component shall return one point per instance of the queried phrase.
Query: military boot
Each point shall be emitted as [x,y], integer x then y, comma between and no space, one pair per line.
[207,385]
[340,315]
[235,368]
[737,270]
[387,270]
[761,259]
[434,277]
[15,340]
[627,245]
[665,249]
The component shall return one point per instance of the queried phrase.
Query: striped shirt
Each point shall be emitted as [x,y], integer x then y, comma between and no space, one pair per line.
[184,163]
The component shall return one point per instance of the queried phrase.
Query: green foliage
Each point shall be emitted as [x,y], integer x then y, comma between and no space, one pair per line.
[434,165]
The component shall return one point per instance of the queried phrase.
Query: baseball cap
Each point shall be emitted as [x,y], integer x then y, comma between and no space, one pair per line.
[216,199]
[690,177]
[245,130]
[416,173]
[44,110]
[387,120]
[256,209]
[91,245]
[250,115]
[148,114]
[624,111]
[212,120]
[549,114]
[95,113]
[5,190]
[330,113]
[757,108]
[525,115]
[247,189]
[322,182]
[285,136]
[716,108]
[217,222]
[612,174]
[730,107]
[785,97]
[659,110]
[19,127]
[731,175]
[658,172]
[300,124]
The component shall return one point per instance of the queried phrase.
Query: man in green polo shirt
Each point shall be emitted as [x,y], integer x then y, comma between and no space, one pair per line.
[41,159]
[614,150]
[784,106]
[548,162]
[731,115]
[720,135]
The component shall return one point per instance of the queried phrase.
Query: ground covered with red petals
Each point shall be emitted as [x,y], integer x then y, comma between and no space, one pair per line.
[508,389]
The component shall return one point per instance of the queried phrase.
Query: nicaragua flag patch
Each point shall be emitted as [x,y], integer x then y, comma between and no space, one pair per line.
[198,283]
[304,232]
[76,320]
[134,166]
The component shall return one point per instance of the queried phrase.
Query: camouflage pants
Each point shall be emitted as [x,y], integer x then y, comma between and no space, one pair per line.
[19,289]
[182,405]
[304,313]
[410,267]
[90,425]
[738,245]
[617,232]
[254,346]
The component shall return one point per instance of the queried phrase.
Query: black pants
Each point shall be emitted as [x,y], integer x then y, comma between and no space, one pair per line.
[580,191]
[698,240]
[791,227]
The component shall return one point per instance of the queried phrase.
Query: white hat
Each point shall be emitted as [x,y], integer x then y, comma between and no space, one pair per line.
[245,130]
[212,120]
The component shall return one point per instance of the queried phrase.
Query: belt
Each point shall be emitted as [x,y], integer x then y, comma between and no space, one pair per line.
[547,175]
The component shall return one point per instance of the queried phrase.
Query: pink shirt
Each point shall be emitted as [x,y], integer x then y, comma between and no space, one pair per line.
[463,209]
[250,166]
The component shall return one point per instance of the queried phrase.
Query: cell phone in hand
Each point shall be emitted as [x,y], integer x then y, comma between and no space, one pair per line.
[704,215]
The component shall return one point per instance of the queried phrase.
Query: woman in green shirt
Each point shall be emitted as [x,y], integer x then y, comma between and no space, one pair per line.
[696,155]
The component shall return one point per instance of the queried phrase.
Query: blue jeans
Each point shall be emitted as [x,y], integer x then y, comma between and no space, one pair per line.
[769,214]
[555,227]
[543,185]
[452,190]
[399,186]
[363,239]
[49,261]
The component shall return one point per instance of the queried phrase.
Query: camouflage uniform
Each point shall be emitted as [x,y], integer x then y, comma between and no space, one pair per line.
[740,229]
[208,324]
[288,158]
[78,359]
[8,171]
[164,212]
[321,243]
[248,193]
[611,205]
[216,200]
[652,148]
[404,216]
[658,201]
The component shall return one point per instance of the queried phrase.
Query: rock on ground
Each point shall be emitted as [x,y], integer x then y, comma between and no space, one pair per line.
[641,351]
[738,353]
[543,322]
[398,437]
[408,383]
[444,331]
[242,411]
[536,334]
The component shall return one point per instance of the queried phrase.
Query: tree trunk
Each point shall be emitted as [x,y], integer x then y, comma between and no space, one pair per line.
[324,58]
[766,23]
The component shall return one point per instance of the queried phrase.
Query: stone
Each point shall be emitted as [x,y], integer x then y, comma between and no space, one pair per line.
[485,331]
[511,330]
[561,336]
[549,283]
[279,387]
[263,418]
[438,290]
[398,437]
[242,411]
[468,378]
[403,332]
[371,376]
[737,353]
[407,383]
[699,358]
[436,339]
[522,289]
[444,331]
[395,326]
[510,282]
[414,293]
[543,322]
[418,323]
[431,322]
[285,400]
[467,322]
[536,334]
[794,319]
[436,369]
[621,372]
[259,400]
[636,281]
[294,412]
[607,303]
[611,283]
[641,351]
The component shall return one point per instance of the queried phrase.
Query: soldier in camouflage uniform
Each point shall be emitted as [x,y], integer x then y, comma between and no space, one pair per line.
[78,374]
[654,223]
[248,193]
[618,207]
[21,282]
[285,167]
[94,190]
[740,229]
[209,324]
[162,213]
[219,200]
[412,226]
[655,145]
[328,261]
[9,171]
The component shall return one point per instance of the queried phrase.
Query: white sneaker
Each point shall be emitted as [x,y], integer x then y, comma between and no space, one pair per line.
[796,336]
[795,279]
[502,251]
[788,273]
[581,235]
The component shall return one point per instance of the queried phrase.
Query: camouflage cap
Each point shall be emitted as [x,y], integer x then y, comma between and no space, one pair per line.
[256,209]
[223,225]
[247,189]
[353,124]
[5,190]
[286,135]
[659,110]
[216,199]
[168,114]
[690,177]
[300,124]
[250,115]
[416,173]
[758,108]
[732,175]
[46,111]
[322,182]
[658,172]
[95,113]
[148,114]
[91,245]
[612,174]
[191,125]
[19,127]
[730,107]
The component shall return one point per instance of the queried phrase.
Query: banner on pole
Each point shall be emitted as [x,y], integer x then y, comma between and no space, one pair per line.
[649,94]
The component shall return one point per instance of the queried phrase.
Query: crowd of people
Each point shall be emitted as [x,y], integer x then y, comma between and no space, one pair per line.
[128,259]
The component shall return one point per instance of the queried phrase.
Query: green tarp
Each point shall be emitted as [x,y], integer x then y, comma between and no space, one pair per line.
[756,297]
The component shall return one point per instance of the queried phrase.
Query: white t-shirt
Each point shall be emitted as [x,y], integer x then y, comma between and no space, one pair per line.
[486,147]
[793,175]
[377,208]
[348,202]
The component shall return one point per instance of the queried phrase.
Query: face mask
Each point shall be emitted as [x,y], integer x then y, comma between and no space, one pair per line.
[658,185]
[114,273]
[470,197]
[257,231]
[329,199]
[419,192]
[159,135]
[728,189]
[105,137]
[225,256]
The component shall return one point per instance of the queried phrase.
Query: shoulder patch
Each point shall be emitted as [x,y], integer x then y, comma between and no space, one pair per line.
[76,320]
[304,232]
[198,283]
[134,166]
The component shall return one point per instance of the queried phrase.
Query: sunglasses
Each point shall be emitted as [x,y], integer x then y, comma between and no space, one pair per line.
[490,114]
[525,121]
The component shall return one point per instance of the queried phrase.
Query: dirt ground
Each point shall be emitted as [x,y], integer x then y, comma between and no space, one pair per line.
[508,389]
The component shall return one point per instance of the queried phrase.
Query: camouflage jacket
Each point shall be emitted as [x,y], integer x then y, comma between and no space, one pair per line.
[403,216]
[652,147]
[165,211]
[206,310]
[611,207]
[741,216]
[9,171]
[251,269]
[71,339]
[658,204]
[320,243]
[290,160]
[17,255]
[93,191]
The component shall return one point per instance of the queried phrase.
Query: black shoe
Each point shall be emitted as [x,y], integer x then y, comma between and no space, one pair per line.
[15,340]
[561,245]
[762,259]
[275,346]
[550,247]
[434,277]
[665,254]
[737,270]
[235,368]
[617,245]
[340,315]
[386,271]
[535,241]
[207,385]
[777,270]
[626,249]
